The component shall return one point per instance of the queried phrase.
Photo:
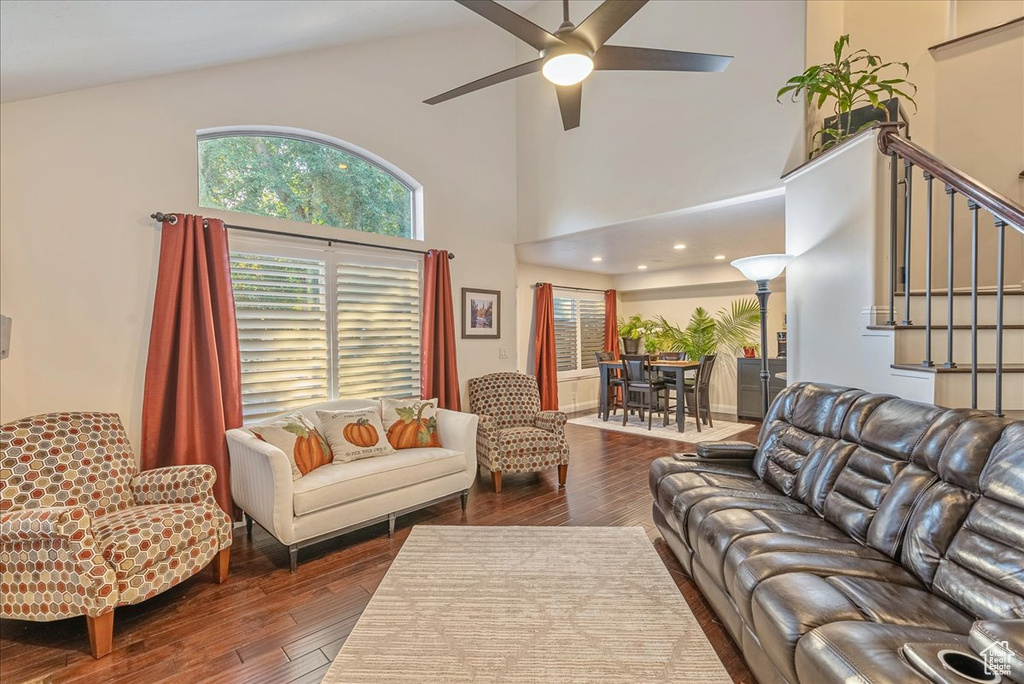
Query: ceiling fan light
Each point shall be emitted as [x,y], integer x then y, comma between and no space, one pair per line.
[568,68]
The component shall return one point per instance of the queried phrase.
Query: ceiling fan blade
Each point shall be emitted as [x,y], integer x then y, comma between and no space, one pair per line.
[606,20]
[619,58]
[519,26]
[570,100]
[500,77]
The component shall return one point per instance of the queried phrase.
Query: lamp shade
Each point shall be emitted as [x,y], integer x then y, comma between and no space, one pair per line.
[763,267]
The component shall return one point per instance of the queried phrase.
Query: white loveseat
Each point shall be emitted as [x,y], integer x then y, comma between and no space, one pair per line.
[341,497]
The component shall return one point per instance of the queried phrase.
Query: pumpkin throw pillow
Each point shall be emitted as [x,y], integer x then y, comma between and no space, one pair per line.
[355,434]
[304,446]
[411,423]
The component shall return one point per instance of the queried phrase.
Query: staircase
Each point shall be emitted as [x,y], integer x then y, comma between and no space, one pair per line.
[967,338]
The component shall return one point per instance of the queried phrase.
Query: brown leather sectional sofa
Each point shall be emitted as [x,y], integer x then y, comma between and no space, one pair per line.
[863,533]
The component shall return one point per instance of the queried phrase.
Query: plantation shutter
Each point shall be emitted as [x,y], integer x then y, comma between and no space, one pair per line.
[566,337]
[281,308]
[591,331]
[378,309]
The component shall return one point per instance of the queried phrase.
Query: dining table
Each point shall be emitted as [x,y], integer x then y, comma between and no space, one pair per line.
[677,369]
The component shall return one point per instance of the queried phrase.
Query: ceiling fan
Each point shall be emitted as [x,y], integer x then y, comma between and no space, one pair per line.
[571,53]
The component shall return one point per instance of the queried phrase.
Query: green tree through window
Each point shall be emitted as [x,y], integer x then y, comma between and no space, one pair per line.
[302,181]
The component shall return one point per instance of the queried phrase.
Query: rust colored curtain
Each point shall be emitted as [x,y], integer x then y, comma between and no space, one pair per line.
[193,387]
[611,322]
[439,373]
[545,361]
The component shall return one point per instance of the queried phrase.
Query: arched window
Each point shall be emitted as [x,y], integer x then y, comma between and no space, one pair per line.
[308,178]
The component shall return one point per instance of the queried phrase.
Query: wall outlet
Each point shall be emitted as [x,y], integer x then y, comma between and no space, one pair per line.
[503,352]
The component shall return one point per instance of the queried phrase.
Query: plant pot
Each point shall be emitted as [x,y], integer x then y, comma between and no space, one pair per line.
[864,115]
[749,353]
[630,346]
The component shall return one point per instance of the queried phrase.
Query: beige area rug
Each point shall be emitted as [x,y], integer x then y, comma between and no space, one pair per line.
[527,604]
[722,430]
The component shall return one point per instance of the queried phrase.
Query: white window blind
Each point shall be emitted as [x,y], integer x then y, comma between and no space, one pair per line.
[579,331]
[281,308]
[378,330]
[304,338]
[567,333]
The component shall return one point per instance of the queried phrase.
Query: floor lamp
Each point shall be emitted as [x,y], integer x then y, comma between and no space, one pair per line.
[762,269]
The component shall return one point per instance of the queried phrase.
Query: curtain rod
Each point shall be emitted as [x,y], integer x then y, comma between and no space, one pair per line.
[578,289]
[172,219]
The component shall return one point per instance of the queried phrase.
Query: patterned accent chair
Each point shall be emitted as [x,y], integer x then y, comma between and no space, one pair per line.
[82,531]
[514,435]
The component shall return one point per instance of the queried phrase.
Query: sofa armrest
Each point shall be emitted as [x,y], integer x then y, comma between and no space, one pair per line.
[726,450]
[175,484]
[1000,642]
[55,543]
[261,483]
[551,421]
[458,431]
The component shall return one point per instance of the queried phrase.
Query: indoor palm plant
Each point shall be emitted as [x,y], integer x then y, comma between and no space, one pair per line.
[853,83]
[704,334]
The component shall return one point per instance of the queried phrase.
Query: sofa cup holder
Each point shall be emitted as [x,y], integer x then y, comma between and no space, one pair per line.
[967,666]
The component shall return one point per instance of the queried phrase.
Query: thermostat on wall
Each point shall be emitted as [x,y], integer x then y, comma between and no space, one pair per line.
[5,336]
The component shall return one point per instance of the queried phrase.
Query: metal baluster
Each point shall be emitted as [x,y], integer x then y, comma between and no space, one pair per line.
[927,363]
[908,177]
[1000,263]
[893,186]
[951,193]
[973,206]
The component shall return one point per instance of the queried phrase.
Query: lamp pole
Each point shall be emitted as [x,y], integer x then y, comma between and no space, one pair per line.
[763,293]
[761,269]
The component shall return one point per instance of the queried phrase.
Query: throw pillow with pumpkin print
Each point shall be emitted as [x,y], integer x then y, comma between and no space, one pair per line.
[411,423]
[293,434]
[355,434]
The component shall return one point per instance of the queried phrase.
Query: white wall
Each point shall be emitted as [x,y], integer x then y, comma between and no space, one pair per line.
[837,227]
[678,304]
[574,394]
[81,172]
[651,143]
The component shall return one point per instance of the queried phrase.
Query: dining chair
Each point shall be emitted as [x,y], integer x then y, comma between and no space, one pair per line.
[698,393]
[615,385]
[644,389]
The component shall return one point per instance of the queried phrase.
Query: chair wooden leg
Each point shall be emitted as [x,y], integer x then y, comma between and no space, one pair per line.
[496,479]
[220,565]
[101,633]
[248,526]
[562,472]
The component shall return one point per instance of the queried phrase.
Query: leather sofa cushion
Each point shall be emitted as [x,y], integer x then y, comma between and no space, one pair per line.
[787,607]
[134,539]
[753,571]
[722,530]
[339,483]
[692,513]
[866,652]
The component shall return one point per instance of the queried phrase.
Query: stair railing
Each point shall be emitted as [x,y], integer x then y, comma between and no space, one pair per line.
[1003,211]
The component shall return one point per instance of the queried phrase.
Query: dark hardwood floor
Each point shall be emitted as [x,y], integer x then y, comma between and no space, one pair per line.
[267,625]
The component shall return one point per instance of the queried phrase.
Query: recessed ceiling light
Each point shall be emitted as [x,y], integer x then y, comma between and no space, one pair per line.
[642,267]
[596,259]
[719,257]
[342,166]
[679,246]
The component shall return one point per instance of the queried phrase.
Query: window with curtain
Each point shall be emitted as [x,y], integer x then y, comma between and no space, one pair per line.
[305,177]
[579,331]
[318,324]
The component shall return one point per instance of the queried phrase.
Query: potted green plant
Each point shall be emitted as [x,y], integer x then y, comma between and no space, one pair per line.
[635,328]
[705,334]
[629,333]
[855,84]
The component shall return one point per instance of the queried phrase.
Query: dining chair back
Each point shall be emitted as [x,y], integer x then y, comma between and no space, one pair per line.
[698,396]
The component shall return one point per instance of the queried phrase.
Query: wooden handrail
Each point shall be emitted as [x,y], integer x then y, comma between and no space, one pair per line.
[999,205]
